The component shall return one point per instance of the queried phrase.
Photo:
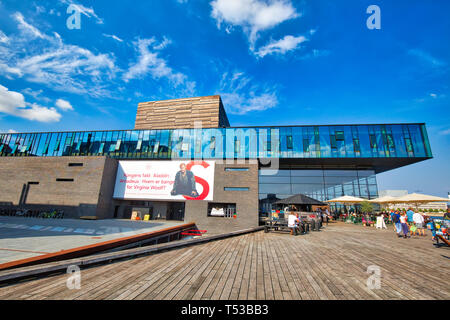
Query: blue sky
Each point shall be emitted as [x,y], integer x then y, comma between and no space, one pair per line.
[274,62]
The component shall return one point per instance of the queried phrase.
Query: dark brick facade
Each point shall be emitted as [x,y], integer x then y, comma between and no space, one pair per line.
[246,201]
[86,190]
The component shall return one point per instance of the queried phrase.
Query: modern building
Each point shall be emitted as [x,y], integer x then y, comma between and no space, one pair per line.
[238,171]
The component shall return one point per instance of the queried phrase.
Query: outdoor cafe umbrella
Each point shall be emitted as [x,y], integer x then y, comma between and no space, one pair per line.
[347,200]
[384,200]
[417,199]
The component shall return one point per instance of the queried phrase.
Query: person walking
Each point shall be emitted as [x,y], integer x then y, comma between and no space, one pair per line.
[404,225]
[419,223]
[430,223]
[410,214]
[391,219]
[447,215]
[327,216]
[397,223]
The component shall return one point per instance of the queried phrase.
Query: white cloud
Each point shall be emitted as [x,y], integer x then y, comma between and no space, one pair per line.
[13,103]
[45,59]
[3,37]
[60,66]
[113,37]
[10,101]
[427,58]
[8,71]
[64,105]
[41,114]
[241,95]
[34,94]
[37,95]
[281,46]
[28,28]
[8,131]
[315,53]
[430,98]
[39,9]
[252,16]
[149,62]
[163,44]
[54,12]
[445,132]
[88,12]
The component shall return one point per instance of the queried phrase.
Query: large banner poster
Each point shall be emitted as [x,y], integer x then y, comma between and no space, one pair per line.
[165,180]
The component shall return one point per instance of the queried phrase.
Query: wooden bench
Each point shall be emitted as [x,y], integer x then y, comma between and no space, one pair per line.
[282,225]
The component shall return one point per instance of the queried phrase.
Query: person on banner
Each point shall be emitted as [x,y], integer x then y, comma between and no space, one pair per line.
[184,183]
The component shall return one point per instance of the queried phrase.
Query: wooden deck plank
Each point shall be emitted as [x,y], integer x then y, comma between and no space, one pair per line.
[155,273]
[195,283]
[218,270]
[172,277]
[245,279]
[251,293]
[186,283]
[234,282]
[330,264]
[144,272]
[211,275]
[116,283]
[229,266]
[274,273]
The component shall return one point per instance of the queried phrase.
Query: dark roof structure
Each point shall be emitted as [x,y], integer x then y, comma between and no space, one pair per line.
[301,199]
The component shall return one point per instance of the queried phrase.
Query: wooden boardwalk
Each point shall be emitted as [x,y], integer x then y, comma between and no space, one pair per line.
[331,264]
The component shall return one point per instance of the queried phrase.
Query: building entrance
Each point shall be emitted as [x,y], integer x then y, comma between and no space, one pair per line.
[176,211]
[153,210]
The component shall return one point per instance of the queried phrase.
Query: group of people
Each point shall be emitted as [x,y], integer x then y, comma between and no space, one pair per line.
[294,222]
[407,223]
[324,215]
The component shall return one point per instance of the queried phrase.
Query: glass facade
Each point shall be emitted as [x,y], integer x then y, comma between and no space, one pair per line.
[347,141]
[389,145]
[321,184]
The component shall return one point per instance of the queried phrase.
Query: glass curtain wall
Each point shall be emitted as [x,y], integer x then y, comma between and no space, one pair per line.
[320,184]
[355,141]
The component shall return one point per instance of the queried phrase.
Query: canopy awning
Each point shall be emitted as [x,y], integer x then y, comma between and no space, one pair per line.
[347,199]
[419,198]
[385,199]
[301,199]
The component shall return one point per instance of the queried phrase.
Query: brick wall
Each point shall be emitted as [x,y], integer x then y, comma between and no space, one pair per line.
[246,201]
[86,195]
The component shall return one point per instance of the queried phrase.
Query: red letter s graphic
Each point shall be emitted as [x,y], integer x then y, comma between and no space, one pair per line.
[199,180]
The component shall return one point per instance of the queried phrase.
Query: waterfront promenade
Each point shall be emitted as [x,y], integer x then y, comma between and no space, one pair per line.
[330,264]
